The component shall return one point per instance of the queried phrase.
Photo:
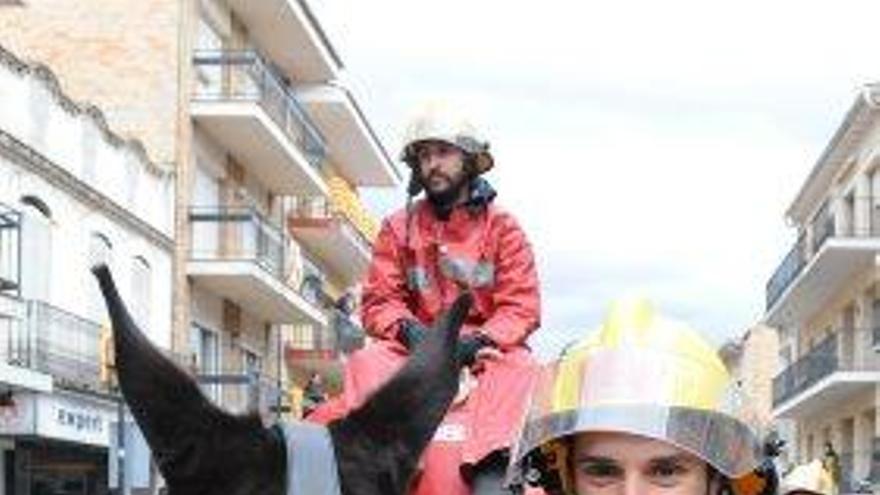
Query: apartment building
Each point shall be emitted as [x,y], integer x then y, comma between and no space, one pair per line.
[242,100]
[753,361]
[824,300]
[72,193]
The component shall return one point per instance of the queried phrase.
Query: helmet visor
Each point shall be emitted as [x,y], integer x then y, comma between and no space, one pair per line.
[665,396]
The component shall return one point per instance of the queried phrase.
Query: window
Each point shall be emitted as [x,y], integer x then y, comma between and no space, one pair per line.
[37,204]
[208,70]
[36,246]
[141,290]
[10,251]
[312,286]
[205,346]
[251,362]
[100,251]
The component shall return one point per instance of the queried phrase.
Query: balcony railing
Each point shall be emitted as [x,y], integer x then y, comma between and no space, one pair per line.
[237,234]
[844,350]
[823,228]
[236,390]
[244,76]
[787,271]
[319,209]
[818,363]
[56,342]
[343,335]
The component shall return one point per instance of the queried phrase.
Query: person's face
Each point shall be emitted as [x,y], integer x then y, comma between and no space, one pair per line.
[441,166]
[623,464]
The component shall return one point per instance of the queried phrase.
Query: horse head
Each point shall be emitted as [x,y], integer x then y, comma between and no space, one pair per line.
[201,449]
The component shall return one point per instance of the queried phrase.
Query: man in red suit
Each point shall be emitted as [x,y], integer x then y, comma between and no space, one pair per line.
[454,239]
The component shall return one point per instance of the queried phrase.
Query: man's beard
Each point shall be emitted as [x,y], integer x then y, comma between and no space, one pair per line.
[443,201]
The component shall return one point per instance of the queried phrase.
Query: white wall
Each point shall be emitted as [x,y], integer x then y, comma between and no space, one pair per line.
[74,140]
[75,143]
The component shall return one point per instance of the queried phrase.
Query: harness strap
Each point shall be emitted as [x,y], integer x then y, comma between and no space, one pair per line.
[311,461]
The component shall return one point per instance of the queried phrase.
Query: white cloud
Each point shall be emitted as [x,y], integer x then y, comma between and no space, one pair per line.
[647,146]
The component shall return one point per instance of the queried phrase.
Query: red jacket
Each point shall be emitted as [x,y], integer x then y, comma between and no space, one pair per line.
[485,250]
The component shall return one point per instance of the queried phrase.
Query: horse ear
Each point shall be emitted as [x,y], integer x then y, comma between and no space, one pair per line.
[186,432]
[384,438]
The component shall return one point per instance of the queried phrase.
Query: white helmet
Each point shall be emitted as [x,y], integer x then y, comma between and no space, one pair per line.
[441,122]
[810,478]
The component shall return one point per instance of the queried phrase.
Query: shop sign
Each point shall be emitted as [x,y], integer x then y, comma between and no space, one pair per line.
[74,419]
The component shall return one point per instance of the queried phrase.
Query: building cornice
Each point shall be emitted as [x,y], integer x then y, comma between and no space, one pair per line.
[836,153]
[322,35]
[49,80]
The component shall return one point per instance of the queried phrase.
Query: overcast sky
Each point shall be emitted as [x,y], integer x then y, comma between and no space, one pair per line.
[647,147]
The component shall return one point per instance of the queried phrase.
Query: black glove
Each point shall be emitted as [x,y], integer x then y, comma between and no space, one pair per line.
[410,333]
[469,345]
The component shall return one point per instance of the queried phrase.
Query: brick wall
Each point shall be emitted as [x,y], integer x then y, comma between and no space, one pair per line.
[120,55]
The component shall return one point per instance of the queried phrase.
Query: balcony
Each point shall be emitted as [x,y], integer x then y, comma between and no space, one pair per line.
[244,393]
[355,149]
[785,274]
[288,32]
[237,254]
[236,390]
[842,364]
[327,229]
[243,105]
[807,279]
[57,344]
[322,350]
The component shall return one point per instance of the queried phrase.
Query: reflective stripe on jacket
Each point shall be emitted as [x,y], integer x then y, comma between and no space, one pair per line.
[486,251]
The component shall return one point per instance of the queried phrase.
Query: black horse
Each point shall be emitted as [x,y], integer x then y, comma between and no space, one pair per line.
[201,449]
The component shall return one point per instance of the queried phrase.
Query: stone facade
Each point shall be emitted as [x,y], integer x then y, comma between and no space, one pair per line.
[122,56]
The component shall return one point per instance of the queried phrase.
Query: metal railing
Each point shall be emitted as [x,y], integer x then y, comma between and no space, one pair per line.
[56,342]
[785,274]
[816,364]
[318,209]
[237,234]
[847,349]
[225,75]
[823,228]
[342,336]
[234,389]
[245,392]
